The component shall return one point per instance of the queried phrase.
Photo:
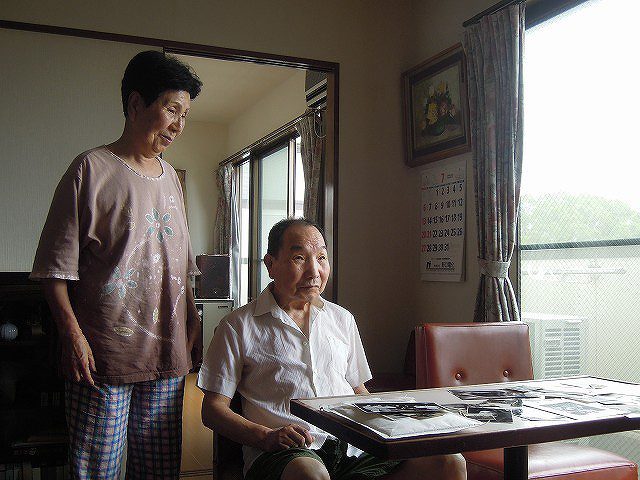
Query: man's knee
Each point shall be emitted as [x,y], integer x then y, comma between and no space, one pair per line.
[441,466]
[454,465]
[305,468]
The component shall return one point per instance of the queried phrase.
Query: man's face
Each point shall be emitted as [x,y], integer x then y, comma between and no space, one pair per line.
[301,268]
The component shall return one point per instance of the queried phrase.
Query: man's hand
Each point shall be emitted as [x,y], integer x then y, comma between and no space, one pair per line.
[291,436]
[77,358]
[218,416]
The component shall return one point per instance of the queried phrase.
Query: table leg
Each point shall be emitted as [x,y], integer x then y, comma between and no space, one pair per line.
[516,463]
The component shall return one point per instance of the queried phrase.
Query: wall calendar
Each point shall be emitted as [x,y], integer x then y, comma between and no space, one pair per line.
[442,222]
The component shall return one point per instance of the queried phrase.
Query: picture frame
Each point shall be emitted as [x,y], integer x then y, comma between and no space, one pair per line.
[435,108]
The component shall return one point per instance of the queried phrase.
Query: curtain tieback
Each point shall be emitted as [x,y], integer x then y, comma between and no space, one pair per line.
[494,269]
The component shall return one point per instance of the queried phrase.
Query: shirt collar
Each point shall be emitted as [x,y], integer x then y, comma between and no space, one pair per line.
[266,303]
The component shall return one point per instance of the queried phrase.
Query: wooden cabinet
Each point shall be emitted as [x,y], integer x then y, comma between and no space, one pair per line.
[33,438]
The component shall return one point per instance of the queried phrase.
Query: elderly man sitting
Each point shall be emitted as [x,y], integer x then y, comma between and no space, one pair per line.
[290,343]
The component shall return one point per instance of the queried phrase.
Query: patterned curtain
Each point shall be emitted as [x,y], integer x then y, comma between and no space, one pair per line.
[222,229]
[312,148]
[494,63]
[226,236]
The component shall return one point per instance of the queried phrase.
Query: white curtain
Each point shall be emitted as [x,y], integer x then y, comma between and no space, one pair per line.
[312,149]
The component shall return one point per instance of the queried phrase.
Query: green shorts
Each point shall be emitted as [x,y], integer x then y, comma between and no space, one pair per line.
[333,454]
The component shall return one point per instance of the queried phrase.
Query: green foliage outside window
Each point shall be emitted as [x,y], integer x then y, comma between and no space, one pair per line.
[559,218]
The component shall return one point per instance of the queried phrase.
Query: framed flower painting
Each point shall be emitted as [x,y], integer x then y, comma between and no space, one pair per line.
[436,112]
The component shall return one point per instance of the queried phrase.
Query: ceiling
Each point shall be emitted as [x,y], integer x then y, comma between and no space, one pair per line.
[230,87]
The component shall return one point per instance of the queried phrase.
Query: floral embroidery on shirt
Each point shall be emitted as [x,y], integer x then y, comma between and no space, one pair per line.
[120,282]
[131,224]
[158,225]
[123,331]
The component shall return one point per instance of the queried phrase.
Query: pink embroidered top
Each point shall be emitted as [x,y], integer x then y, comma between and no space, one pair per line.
[122,240]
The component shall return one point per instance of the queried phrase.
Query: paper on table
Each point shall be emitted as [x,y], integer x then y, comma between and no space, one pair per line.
[575,410]
[534,414]
[402,427]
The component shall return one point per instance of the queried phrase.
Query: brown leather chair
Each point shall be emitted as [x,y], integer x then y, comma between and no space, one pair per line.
[406,380]
[449,354]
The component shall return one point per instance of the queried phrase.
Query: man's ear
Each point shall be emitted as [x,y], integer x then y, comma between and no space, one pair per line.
[268,262]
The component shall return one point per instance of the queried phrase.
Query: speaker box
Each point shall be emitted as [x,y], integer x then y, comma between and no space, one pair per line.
[214,281]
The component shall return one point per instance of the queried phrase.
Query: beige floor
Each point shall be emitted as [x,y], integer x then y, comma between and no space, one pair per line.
[197,440]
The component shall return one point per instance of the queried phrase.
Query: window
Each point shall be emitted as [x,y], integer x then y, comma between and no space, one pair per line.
[271,187]
[579,239]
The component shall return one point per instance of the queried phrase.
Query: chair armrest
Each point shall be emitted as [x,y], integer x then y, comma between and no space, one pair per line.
[389,382]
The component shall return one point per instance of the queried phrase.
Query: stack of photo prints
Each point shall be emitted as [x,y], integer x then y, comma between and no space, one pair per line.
[475,406]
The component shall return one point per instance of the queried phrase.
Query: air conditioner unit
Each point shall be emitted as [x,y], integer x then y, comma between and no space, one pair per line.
[558,344]
[315,86]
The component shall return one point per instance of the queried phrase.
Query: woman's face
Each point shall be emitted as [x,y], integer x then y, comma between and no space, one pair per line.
[158,125]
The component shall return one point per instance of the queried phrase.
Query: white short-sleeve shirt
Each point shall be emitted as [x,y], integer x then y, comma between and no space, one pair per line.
[259,351]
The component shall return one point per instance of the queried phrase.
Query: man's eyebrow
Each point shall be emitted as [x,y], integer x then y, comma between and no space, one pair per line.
[295,248]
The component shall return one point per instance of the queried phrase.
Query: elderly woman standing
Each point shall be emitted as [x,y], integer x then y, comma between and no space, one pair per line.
[115,257]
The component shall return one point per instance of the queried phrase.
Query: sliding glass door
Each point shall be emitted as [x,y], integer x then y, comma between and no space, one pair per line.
[271,186]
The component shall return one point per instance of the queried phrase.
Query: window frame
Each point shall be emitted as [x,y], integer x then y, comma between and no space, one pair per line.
[285,140]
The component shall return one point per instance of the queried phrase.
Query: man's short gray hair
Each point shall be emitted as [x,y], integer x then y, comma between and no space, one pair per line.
[277,232]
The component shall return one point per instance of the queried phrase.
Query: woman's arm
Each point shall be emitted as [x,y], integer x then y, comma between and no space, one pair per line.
[77,358]
[194,329]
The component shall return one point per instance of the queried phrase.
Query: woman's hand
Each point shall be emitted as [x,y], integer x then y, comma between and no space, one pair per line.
[291,436]
[77,358]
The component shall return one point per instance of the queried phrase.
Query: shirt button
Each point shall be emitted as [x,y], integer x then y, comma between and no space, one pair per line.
[305,343]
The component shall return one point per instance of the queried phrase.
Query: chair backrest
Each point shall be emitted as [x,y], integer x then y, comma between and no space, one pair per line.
[227,454]
[450,354]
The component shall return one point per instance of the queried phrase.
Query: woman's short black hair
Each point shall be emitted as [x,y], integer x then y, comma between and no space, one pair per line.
[152,72]
[278,230]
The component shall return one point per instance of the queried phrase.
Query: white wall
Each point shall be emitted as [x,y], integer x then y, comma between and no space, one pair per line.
[281,105]
[47,82]
[198,150]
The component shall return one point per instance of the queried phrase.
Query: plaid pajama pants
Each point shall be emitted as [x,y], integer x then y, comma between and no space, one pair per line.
[147,414]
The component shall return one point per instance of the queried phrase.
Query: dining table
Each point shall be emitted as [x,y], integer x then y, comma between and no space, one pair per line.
[510,415]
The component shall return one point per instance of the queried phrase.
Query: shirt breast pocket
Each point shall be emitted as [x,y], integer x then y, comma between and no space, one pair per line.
[339,355]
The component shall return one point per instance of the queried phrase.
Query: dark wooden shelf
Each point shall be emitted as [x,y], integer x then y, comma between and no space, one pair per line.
[27,342]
